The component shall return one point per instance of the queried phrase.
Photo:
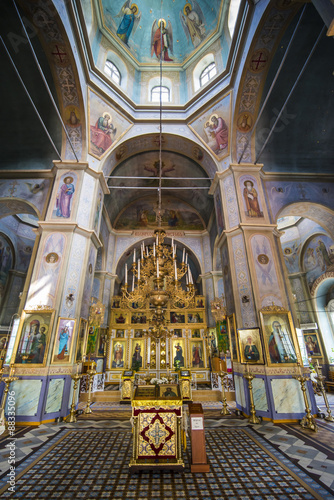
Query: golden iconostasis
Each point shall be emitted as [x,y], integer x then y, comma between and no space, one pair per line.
[130,346]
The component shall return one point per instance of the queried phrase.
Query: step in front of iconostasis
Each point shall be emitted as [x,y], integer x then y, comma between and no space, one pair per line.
[207,395]
[103,396]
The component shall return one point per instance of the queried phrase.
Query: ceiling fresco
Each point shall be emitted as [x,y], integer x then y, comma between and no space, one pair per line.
[137,27]
[175,215]
[175,168]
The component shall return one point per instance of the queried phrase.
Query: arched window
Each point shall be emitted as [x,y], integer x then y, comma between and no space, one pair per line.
[155,94]
[112,71]
[209,72]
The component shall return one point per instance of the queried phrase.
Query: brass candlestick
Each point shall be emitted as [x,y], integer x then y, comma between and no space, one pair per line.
[90,374]
[307,422]
[253,419]
[71,418]
[320,379]
[225,410]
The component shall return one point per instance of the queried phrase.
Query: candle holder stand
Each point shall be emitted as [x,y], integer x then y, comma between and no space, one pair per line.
[8,380]
[320,378]
[253,419]
[90,374]
[71,418]
[307,422]
[225,411]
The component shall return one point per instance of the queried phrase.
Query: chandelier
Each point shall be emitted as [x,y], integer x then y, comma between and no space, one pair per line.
[218,308]
[157,275]
[156,283]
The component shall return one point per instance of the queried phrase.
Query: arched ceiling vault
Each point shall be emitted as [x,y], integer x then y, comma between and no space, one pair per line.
[187,208]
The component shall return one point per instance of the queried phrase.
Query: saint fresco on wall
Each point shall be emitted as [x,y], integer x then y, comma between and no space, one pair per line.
[175,214]
[44,287]
[318,257]
[64,198]
[106,125]
[250,196]
[213,127]
[265,268]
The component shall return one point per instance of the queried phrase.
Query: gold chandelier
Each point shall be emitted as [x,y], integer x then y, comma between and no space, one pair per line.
[156,283]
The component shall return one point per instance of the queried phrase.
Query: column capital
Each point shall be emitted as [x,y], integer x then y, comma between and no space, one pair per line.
[70,227]
[84,166]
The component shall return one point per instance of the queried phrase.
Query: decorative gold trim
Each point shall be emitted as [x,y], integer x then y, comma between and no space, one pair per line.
[156,403]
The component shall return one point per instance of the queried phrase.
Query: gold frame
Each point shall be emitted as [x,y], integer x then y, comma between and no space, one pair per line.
[309,334]
[97,334]
[231,321]
[62,362]
[124,342]
[119,312]
[82,322]
[102,331]
[194,312]
[36,312]
[242,335]
[141,313]
[142,342]
[163,387]
[140,330]
[192,330]
[276,313]
[191,343]
[182,342]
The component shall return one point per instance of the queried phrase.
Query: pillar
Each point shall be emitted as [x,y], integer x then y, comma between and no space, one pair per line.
[254,280]
[58,294]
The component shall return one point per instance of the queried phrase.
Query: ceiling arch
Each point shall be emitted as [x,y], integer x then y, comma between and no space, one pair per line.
[314,211]
[184,182]
[151,142]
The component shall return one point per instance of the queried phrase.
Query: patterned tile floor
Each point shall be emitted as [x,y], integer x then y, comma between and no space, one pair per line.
[92,463]
[90,459]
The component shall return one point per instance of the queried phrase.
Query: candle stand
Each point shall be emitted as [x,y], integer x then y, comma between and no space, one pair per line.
[253,419]
[71,418]
[225,411]
[307,422]
[320,378]
[90,374]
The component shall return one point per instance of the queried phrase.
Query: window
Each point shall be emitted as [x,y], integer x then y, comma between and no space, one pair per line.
[112,72]
[207,73]
[155,94]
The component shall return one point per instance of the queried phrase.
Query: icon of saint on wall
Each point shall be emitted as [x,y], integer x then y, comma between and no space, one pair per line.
[251,200]
[64,197]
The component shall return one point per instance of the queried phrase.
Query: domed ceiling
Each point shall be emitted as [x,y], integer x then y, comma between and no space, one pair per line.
[135,27]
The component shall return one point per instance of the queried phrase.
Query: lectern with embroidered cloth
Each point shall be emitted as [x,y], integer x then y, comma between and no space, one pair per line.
[156,415]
